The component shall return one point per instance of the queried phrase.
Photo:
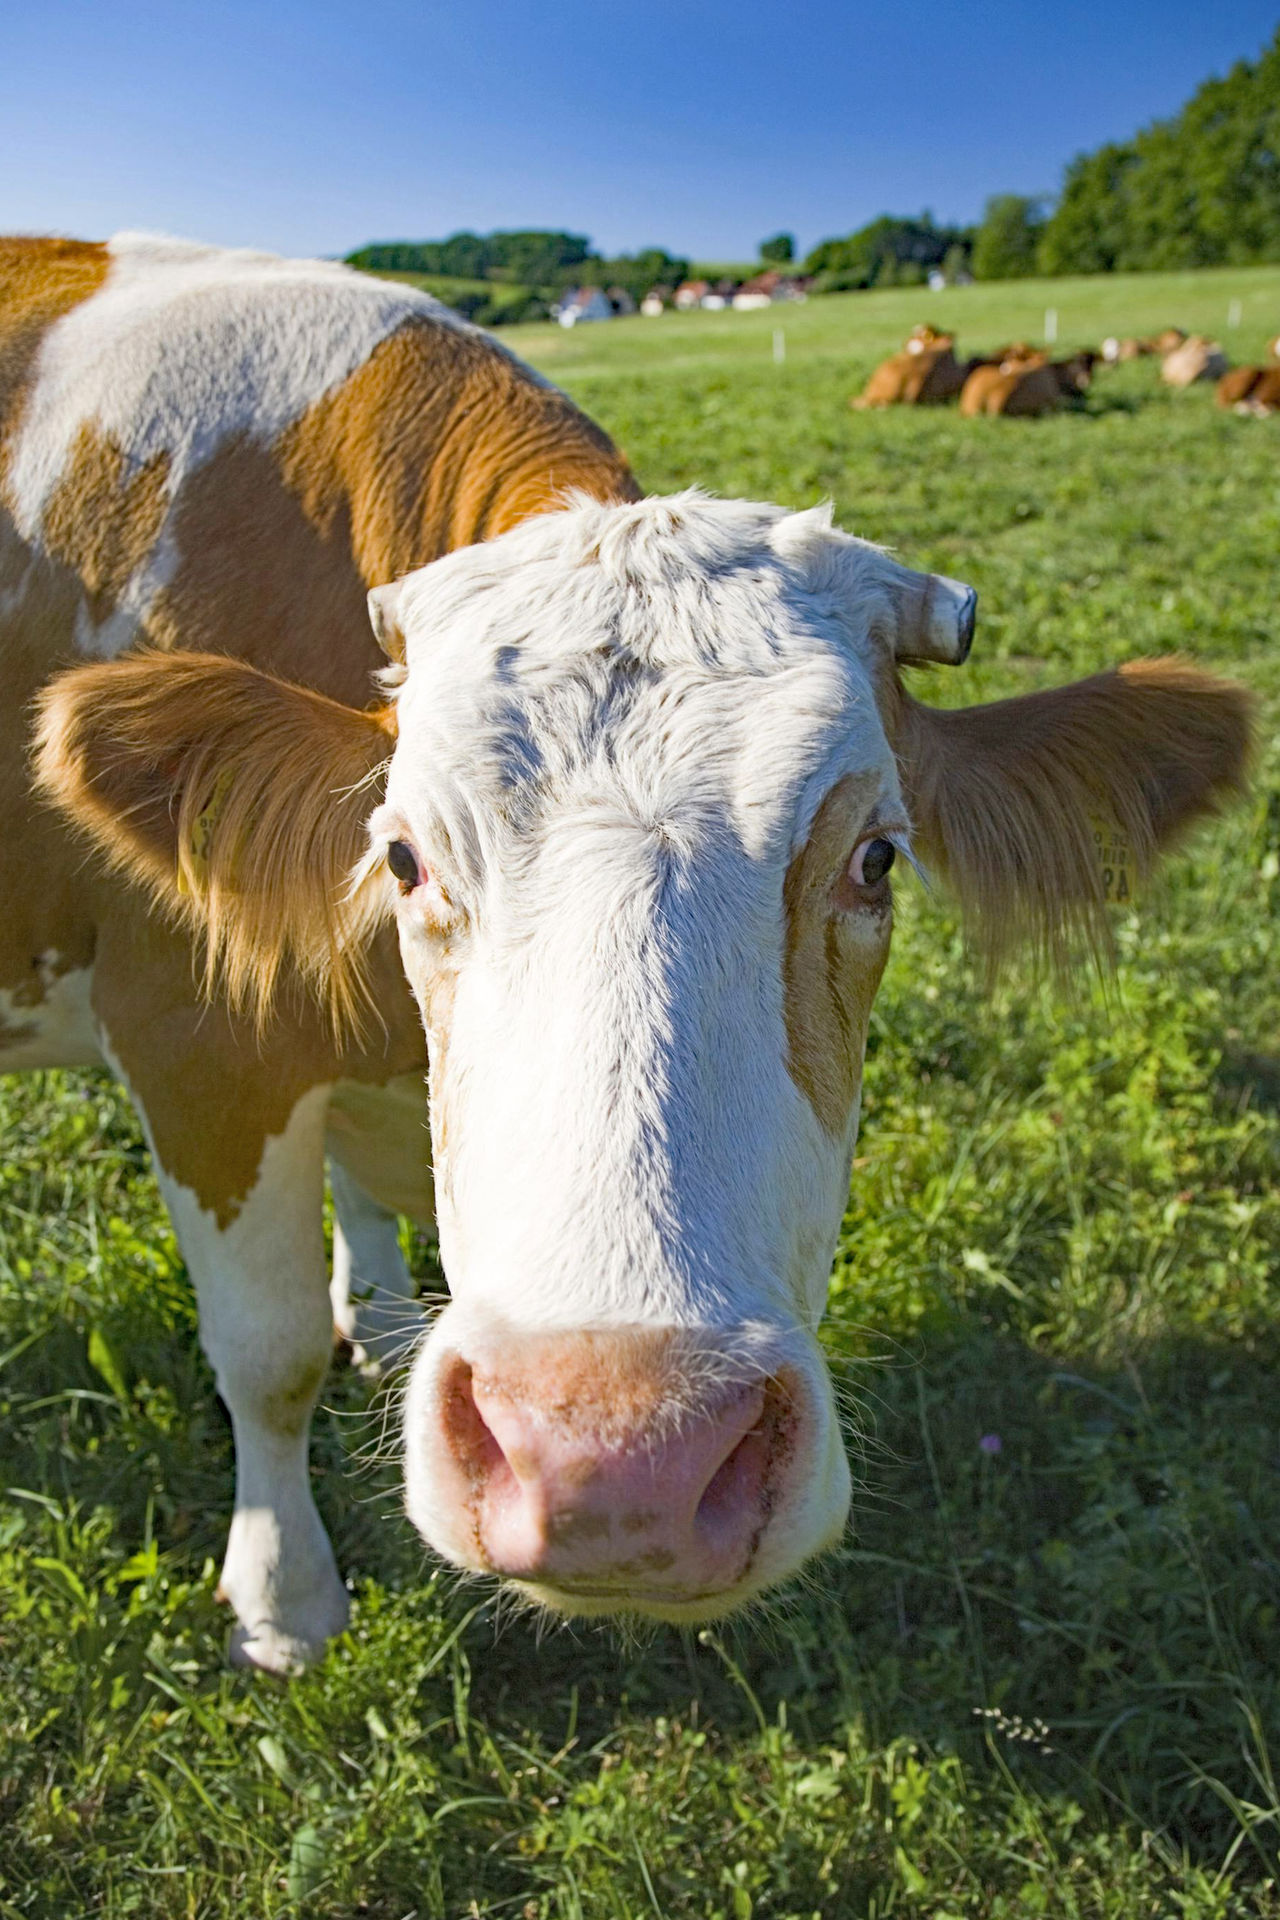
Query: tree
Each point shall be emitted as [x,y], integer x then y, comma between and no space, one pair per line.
[779,250]
[1004,247]
[888,252]
[1201,189]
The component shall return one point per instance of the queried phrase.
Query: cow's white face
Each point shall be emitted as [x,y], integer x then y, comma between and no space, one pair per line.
[640,806]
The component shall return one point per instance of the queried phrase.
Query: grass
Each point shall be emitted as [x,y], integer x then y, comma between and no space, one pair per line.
[1038,1680]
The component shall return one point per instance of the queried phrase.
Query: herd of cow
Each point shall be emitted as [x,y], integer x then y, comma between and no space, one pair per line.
[1022,380]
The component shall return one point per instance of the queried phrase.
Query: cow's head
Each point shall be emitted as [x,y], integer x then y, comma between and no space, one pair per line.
[652,766]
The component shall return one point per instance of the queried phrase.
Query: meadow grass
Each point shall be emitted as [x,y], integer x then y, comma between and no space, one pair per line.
[1038,1680]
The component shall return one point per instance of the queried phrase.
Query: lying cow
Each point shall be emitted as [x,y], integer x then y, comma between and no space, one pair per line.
[1115,352]
[923,374]
[924,337]
[628,798]
[1198,358]
[1026,384]
[1252,390]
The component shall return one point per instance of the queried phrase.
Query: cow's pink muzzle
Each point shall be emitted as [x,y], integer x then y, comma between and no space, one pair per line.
[610,1471]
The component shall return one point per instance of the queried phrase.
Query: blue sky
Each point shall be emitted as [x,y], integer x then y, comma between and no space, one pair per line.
[309,125]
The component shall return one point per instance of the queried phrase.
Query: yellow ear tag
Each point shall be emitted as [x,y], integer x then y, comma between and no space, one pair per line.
[1112,845]
[193,862]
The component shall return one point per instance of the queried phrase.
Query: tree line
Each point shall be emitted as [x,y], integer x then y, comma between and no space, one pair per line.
[538,265]
[1200,189]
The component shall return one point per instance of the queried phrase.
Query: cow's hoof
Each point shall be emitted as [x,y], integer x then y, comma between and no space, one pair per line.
[273,1647]
[270,1650]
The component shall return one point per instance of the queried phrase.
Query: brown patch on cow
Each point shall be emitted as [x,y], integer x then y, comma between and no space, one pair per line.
[440,439]
[255,578]
[1007,800]
[105,515]
[40,281]
[834,953]
[212,1090]
[49,900]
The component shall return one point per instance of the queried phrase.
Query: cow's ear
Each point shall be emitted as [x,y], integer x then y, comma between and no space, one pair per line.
[1039,811]
[236,799]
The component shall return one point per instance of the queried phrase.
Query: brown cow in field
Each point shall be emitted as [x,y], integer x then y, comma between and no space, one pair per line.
[1028,386]
[1198,358]
[1254,390]
[919,376]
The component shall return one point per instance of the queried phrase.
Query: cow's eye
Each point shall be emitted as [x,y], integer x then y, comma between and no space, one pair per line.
[871,862]
[403,862]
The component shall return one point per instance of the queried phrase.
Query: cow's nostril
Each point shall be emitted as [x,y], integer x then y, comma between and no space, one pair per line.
[736,1486]
[474,1445]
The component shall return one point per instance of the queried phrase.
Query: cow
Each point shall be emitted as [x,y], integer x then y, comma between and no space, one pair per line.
[924,337]
[925,373]
[625,795]
[1197,358]
[1250,390]
[1026,383]
[1115,351]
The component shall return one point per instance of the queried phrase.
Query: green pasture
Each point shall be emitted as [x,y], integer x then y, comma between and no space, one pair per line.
[1042,1676]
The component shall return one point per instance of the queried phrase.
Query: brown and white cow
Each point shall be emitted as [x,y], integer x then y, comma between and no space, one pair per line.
[650,763]
[925,373]
[1251,390]
[1028,385]
[1197,358]
[1115,351]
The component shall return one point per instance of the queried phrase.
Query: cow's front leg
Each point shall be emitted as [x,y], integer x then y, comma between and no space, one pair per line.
[265,1324]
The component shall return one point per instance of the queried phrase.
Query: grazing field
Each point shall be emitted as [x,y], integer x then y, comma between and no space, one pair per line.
[1042,1676]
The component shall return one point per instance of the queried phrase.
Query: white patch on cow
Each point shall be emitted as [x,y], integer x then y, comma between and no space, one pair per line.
[265,1324]
[57,1031]
[615,732]
[183,347]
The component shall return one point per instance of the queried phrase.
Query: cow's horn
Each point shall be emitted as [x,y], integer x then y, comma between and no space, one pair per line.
[935,618]
[384,616]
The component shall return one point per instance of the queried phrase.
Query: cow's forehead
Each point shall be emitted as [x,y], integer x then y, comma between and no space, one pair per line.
[674,655]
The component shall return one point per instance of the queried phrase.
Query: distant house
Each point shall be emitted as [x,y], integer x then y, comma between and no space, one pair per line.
[691,293]
[581,304]
[765,289]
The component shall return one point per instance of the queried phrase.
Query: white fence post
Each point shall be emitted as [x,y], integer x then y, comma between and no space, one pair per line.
[1234,314]
[779,346]
[1050,325]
